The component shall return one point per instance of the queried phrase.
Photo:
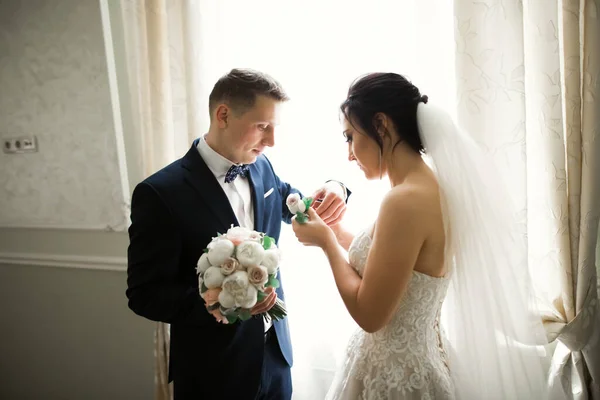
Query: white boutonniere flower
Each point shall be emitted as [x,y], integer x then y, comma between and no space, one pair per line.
[295,203]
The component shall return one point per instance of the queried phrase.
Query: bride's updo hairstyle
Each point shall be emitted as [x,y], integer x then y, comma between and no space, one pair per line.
[390,94]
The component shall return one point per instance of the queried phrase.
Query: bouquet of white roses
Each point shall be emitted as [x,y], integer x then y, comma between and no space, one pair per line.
[235,270]
[298,206]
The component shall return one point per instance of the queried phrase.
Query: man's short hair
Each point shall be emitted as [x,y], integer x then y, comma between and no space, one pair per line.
[240,87]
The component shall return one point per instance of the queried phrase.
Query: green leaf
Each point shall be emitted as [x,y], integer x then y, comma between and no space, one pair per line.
[203,288]
[205,250]
[268,284]
[273,282]
[245,315]
[260,296]
[267,242]
[308,201]
[213,307]
[301,217]
[231,318]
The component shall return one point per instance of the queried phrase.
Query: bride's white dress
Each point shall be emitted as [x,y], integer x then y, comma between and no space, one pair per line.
[404,360]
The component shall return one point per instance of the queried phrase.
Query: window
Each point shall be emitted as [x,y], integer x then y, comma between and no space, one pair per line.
[316,49]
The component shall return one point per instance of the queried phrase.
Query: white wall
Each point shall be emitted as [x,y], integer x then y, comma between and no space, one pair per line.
[66,331]
[55,85]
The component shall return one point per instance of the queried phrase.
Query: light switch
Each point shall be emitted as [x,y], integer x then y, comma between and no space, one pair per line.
[22,144]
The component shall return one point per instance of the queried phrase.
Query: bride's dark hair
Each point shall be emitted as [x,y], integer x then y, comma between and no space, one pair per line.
[390,94]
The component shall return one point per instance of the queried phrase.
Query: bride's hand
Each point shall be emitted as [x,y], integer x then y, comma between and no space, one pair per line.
[313,232]
[330,202]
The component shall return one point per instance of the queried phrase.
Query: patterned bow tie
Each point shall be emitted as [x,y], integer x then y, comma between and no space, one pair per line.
[234,171]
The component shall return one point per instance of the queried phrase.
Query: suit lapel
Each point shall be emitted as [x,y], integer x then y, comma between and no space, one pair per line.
[257,197]
[200,177]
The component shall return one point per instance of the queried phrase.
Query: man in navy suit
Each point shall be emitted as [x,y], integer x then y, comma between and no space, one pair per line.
[222,180]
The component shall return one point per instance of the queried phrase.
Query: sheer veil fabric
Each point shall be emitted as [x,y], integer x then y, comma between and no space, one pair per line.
[493,329]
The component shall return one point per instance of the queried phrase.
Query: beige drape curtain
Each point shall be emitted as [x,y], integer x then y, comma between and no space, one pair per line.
[164,81]
[528,77]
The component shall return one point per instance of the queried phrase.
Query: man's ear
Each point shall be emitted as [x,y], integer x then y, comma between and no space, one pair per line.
[222,114]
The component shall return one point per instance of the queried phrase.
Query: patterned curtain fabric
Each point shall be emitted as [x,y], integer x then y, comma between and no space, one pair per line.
[528,76]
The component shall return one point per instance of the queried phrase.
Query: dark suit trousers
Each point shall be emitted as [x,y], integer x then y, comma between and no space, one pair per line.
[276,378]
[275,384]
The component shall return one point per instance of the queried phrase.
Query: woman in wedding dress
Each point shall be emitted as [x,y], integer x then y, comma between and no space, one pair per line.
[444,236]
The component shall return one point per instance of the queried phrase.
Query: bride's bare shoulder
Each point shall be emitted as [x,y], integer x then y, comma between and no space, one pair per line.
[412,197]
[408,214]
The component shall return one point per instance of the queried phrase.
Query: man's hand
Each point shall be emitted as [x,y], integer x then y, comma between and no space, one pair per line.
[267,303]
[330,203]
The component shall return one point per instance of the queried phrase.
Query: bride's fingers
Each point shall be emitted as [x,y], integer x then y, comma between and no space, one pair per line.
[325,207]
[336,206]
[339,219]
[313,215]
[336,217]
[318,199]
[317,203]
[295,226]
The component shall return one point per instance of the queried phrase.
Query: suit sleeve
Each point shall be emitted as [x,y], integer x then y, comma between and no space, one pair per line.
[154,288]
[285,189]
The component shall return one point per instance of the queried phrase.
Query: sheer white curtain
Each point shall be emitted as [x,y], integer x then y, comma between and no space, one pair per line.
[315,49]
[531,95]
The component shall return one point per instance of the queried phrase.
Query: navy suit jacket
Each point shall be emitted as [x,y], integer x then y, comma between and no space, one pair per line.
[174,215]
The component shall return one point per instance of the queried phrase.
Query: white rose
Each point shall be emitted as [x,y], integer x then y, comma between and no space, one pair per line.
[203,263]
[248,300]
[271,260]
[220,251]
[214,240]
[250,253]
[295,203]
[226,299]
[236,283]
[239,231]
[256,236]
[213,277]
[258,276]
[230,266]
[238,234]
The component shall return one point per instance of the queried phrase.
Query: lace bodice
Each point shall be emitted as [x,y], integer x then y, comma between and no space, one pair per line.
[405,359]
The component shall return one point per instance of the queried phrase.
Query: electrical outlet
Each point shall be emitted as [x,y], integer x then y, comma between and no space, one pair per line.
[22,144]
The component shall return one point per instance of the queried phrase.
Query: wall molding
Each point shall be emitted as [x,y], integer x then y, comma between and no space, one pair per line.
[101,263]
[52,226]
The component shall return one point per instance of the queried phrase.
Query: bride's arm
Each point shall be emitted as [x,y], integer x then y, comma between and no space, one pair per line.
[398,238]
[343,236]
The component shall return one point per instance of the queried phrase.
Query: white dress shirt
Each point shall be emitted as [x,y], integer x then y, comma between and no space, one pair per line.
[238,191]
